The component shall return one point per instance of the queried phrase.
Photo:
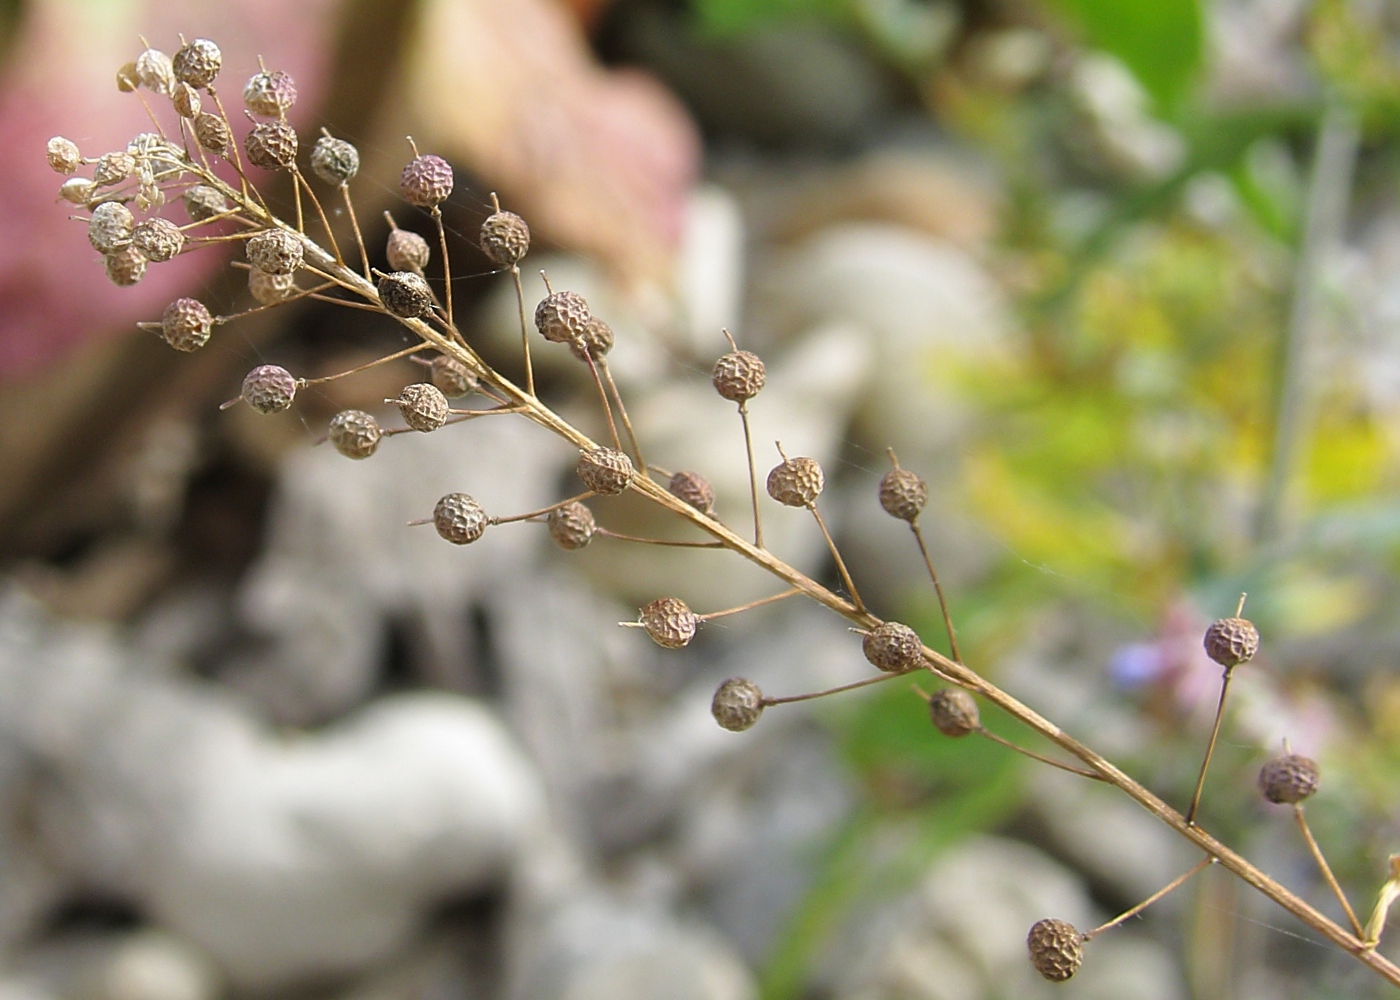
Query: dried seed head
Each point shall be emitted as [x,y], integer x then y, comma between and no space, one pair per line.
[571,526]
[270,94]
[1056,948]
[694,489]
[110,227]
[426,181]
[63,155]
[739,375]
[127,78]
[76,190]
[563,317]
[505,238]
[605,471]
[335,161]
[275,251]
[159,239]
[954,712]
[737,704]
[198,63]
[451,376]
[204,202]
[270,289]
[903,494]
[1232,641]
[113,168]
[407,251]
[156,71]
[354,433]
[597,340]
[185,100]
[126,266]
[670,622]
[459,519]
[212,133]
[269,389]
[796,482]
[1289,779]
[423,406]
[271,145]
[405,294]
[893,647]
[186,324]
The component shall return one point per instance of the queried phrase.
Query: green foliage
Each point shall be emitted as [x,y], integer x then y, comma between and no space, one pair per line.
[1161,41]
[734,17]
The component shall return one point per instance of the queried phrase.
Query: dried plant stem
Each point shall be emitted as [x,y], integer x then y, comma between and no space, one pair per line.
[657,541]
[1210,747]
[603,397]
[320,212]
[789,699]
[622,414]
[543,510]
[840,563]
[984,731]
[749,606]
[355,225]
[446,264]
[1171,886]
[524,329]
[1326,869]
[938,589]
[753,474]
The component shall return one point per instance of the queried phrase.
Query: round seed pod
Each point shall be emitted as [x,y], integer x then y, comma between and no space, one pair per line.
[407,251]
[270,93]
[954,712]
[185,100]
[275,251]
[269,388]
[212,133]
[903,494]
[796,482]
[1232,641]
[571,526]
[110,227]
[1289,779]
[670,622]
[739,375]
[77,190]
[63,155]
[1057,949]
[198,63]
[426,181]
[127,80]
[423,406]
[113,168]
[459,519]
[354,433]
[563,317]
[694,489]
[159,239]
[605,471]
[406,294]
[505,238]
[156,71]
[451,376]
[597,340]
[893,648]
[270,289]
[186,324]
[126,266]
[737,704]
[204,202]
[271,145]
[335,161]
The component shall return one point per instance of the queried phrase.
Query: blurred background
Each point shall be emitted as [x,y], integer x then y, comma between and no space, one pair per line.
[1117,277]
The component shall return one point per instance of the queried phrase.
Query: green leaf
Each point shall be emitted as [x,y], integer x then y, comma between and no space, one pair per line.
[1161,41]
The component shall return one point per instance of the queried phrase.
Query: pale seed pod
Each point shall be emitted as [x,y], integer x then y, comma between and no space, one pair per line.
[739,376]
[110,227]
[426,181]
[270,93]
[271,145]
[903,494]
[126,266]
[185,100]
[605,471]
[407,251]
[335,161]
[893,648]
[270,289]
[198,63]
[204,202]
[406,294]
[451,376]
[796,482]
[354,433]
[158,239]
[212,133]
[571,526]
[156,72]
[459,519]
[695,490]
[597,340]
[269,389]
[275,251]
[670,622]
[1232,641]
[186,324]
[423,406]
[77,190]
[737,704]
[954,712]
[563,317]
[63,155]
[1057,949]
[1289,779]
[127,78]
[113,168]
[505,238]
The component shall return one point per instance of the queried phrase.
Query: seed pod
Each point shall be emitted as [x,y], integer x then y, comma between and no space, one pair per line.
[110,227]
[407,251]
[113,168]
[198,63]
[571,526]
[605,471]
[1056,948]
[954,712]
[77,190]
[893,648]
[1232,641]
[739,375]
[126,266]
[63,155]
[903,494]
[597,340]
[670,622]
[563,317]
[796,482]
[185,100]
[204,202]
[159,239]
[212,133]
[270,289]
[423,406]
[406,294]
[186,324]
[269,388]
[354,433]
[270,93]
[505,238]
[156,72]
[737,704]
[694,489]
[271,145]
[275,251]
[426,181]
[335,161]
[451,376]
[1289,779]
[459,519]
[127,78]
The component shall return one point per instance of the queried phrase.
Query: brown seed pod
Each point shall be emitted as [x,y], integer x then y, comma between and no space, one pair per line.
[407,251]
[1289,779]
[77,190]
[275,251]
[212,133]
[110,227]
[354,433]
[406,294]
[694,489]
[127,78]
[158,239]
[737,704]
[1232,641]
[893,648]
[113,168]
[954,712]
[597,340]
[571,526]
[185,100]
[459,519]
[426,181]
[605,471]
[270,93]
[204,202]
[271,145]
[563,317]
[270,289]
[125,267]
[269,389]
[156,72]
[796,482]
[670,622]
[739,376]
[63,155]
[197,63]
[186,324]
[335,161]
[1057,949]
[903,494]
[505,238]
[423,406]
[451,376]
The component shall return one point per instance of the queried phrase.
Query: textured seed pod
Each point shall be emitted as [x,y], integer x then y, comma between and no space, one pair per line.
[269,388]
[354,433]
[670,622]
[695,490]
[739,375]
[505,238]
[571,526]
[426,181]
[335,161]
[185,100]
[1232,641]
[77,190]
[1289,778]
[563,317]
[159,239]
[451,376]
[212,133]
[1056,948]
[270,289]
[271,145]
[110,227]
[605,471]
[903,494]
[459,519]
[186,324]
[737,704]
[407,251]
[275,251]
[156,72]
[204,202]
[127,78]
[597,340]
[423,406]
[405,294]
[893,647]
[63,155]
[796,482]
[126,266]
[113,168]
[198,63]
[270,93]
[954,712]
